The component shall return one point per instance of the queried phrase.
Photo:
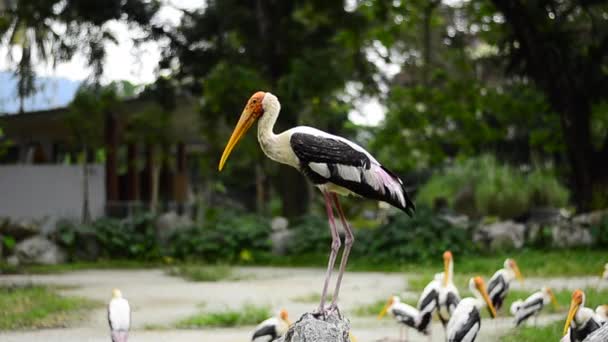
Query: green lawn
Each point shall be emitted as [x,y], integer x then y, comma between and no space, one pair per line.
[313,297]
[550,332]
[34,307]
[247,315]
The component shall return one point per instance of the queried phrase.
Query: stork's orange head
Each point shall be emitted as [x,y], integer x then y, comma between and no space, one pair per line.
[578,298]
[253,111]
[447,255]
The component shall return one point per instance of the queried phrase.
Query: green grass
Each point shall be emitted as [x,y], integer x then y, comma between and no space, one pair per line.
[550,332]
[312,298]
[35,307]
[203,272]
[247,315]
[373,309]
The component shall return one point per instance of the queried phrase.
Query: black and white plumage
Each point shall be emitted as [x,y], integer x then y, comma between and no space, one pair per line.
[532,306]
[335,165]
[427,303]
[119,317]
[498,286]
[581,321]
[465,321]
[448,297]
[406,315]
[272,328]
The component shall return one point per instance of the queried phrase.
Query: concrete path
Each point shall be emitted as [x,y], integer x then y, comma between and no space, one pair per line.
[158,300]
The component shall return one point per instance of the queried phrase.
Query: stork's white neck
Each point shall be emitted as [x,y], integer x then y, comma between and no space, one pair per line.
[266,136]
[450,274]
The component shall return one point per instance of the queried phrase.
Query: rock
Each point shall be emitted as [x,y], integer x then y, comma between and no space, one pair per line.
[460,221]
[464,201]
[567,234]
[310,329]
[39,250]
[20,229]
[280,241]
[279,223]
[169,223]
[12,260]
[593,218]
[544,216]
[501,235]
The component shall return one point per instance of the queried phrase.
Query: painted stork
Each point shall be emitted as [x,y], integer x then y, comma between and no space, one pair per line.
[272,328]
[334,164]
[119,317]
[498,286]
[532,306]
[602,312]
[581,321]
[448,297]
[406,315]
[465,321]
[427,303]
[605,273]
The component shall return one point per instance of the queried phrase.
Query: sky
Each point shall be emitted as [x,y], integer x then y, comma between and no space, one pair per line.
[139,65]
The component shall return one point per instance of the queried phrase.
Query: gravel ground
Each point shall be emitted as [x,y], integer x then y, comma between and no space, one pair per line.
[160,300]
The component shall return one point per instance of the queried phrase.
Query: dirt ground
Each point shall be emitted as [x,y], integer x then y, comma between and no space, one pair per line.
[159,300]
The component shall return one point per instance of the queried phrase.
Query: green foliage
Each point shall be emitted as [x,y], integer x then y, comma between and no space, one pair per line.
[117,239]
[600,233]
[225,236]
[37,307]
[550,332]
[493,189]
[247,315]
[311,235]
[203,272]
[312,298]
[405,239]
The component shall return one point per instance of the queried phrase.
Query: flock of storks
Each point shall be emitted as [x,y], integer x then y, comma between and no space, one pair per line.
[337,166]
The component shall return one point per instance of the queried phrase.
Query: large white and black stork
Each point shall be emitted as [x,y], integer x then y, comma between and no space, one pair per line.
[581,321]
[428,301]
[498,286]
[465,321]
[272,328]
[334,164]
[119,317]
[448,297]
[532,306]
[406,315]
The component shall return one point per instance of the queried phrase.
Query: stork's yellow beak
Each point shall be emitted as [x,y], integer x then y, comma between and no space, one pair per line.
[553,300]
[385,309]
[481,286]
[447,258]
[574,305]
[245,121]
[517,272]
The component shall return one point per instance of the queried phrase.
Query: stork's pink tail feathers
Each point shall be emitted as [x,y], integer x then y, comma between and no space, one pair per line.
[120,336]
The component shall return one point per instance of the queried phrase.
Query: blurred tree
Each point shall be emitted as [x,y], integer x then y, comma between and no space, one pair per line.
[52,31]
[303,51]
[563,47]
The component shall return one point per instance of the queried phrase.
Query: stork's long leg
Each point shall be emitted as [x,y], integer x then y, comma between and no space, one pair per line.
[348,243]
[335,247]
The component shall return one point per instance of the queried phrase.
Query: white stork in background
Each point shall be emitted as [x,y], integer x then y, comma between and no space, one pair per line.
[532,306]
[406,315]
[465,321]
[427,303]
[602,312]
[272,328]
[605,273]
[119,317]
[448,297]
[335,165]
[498,286]
[581,321]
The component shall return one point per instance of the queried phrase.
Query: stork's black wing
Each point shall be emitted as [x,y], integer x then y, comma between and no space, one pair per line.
[528,309]
[474,318]
[452,301]
[405,318]
[497,289]
[325,159]
[266,330]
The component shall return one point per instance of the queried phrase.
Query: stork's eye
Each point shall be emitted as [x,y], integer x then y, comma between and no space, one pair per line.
[254,101]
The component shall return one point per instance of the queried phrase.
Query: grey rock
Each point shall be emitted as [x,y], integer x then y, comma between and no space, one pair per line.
[464,201]
[460,221]
[593,218]
[12,260]
[501,235]
[567,234]
[279,223]
[39,250]
[544,216]
[280,241]
[311,329]
[169,223]
[20,229]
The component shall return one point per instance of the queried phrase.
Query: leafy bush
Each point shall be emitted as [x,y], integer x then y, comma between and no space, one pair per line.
[247,315]
[131,238]
[311,234]
[483,187]
[226,236]
[422,237]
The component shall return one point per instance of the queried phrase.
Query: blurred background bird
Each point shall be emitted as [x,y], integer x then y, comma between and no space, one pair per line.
[498,286]
[427,303]
[532,306]
[465,321]
[119,317]
[448,297]
[272,328]
[406,315]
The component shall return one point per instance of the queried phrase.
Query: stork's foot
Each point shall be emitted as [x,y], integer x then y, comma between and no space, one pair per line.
[328,310]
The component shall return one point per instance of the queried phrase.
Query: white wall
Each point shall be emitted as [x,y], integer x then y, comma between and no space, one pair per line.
[53,191]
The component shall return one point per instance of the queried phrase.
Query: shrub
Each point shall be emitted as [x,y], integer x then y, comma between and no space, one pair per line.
[226,236]
[494,189]
[422,237]
[311,235]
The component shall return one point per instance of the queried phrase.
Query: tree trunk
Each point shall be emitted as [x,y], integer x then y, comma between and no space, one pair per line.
[294,192]
[86,211]
[155,177]
[427,40]
[260,196]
